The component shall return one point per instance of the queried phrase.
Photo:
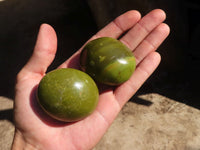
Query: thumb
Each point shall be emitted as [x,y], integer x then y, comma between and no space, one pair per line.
[44,51]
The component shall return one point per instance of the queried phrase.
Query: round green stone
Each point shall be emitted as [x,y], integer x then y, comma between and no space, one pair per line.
[107,61]
[68,94]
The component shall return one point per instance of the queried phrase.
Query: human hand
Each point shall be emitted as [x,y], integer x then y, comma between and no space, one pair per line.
[36,130]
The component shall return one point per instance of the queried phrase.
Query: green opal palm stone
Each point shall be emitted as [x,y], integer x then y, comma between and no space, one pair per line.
[68,94]
[107,61]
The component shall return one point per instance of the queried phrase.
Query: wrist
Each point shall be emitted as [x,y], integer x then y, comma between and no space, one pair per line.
[19,142]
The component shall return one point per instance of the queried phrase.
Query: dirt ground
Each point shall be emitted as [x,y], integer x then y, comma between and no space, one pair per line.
[149,121]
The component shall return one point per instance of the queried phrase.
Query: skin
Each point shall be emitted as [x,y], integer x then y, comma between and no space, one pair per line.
[36,130]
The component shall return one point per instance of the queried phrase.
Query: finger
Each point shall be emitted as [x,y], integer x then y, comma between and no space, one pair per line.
[121,24]
[143,28]
[151,42]
[113,29]
[125,91]
[44,51]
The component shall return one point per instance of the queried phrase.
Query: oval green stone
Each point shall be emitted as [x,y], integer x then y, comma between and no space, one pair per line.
[107,61]
[68,94]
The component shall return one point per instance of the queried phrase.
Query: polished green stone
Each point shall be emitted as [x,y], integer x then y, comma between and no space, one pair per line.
[68,94]
[107,61]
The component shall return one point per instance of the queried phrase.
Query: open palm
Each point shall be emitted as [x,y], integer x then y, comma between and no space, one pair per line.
[34,129]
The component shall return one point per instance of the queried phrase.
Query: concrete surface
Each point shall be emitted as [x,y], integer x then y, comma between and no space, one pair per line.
[162,124]
[148,122]
[6,124]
